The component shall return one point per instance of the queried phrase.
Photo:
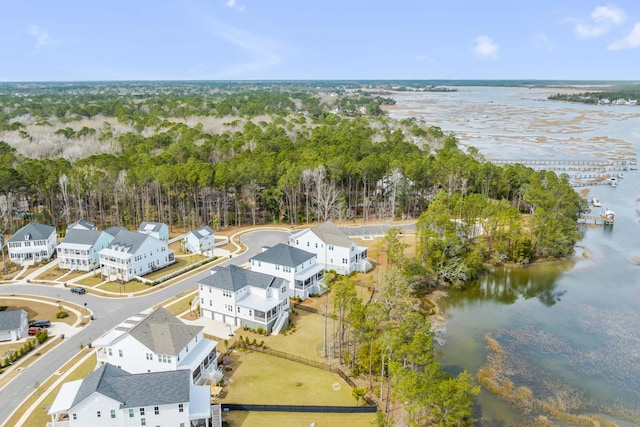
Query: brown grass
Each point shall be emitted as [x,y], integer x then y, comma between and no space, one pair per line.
[291,419]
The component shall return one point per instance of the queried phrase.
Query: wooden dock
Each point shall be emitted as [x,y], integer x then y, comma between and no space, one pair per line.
[604,219]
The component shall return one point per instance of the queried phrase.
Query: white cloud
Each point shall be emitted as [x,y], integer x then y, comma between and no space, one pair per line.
[42,37]
[233,4]
[630,41]
[603,18]
[486,48]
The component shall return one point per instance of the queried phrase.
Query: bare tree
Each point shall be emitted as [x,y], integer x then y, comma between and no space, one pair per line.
[326,194]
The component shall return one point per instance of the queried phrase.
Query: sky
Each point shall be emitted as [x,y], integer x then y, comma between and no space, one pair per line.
[72,40]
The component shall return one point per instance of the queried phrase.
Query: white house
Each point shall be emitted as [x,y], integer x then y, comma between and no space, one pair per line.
[32,243]
[80,247]
[241,297]
[159,342]
[158,230]
[81,224]
[13,325]
[299,268]
[199,240]
[133,254]
[334,249]
[112,397]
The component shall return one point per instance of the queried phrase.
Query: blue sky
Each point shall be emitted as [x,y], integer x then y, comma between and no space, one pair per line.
[67,40]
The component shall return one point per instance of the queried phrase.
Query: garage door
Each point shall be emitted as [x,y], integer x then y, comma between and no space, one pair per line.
[218,316]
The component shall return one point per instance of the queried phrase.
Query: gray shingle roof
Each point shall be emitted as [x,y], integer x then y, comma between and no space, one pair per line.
[330,234]
[10,320]
[163,333]
[282,254]
[34,230]
[150,226]
[234,278]
[202,232]
[136,390]
[82,237]
[128,240]
[114,230]
[82,224]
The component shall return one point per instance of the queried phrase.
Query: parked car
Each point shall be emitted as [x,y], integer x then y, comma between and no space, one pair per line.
[34,330]
[41,323]
[80,291]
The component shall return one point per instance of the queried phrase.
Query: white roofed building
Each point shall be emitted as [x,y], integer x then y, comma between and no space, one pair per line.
[158,230]
[200,240]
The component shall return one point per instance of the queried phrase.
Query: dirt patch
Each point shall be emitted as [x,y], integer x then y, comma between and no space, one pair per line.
[39,310]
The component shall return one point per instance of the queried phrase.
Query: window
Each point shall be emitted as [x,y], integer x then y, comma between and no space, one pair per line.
[344,260]
[113,413]
[181,424]
[330,247]
[156,410]
[142,412]
[143,422]
[120,352]
[180,407]
[74,416]
[316,246]
[131,414]
[98,414]
[149,356]
[110,352]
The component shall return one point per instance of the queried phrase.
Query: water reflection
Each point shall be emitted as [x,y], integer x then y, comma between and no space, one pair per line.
[508,285]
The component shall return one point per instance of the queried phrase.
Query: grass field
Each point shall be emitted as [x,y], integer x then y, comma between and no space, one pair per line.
[291,419]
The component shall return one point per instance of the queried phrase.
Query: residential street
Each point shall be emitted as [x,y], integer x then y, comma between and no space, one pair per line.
[108,313]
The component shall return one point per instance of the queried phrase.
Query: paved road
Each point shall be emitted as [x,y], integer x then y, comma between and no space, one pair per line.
[108,313]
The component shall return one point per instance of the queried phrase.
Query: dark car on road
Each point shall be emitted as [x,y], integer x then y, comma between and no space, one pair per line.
[80,291]
[40,323]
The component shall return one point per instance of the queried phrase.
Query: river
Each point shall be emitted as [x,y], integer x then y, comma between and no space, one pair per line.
[570,330]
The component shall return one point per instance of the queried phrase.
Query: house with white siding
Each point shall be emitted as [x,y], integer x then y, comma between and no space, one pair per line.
[158,230]
[112,397]
[298,267]
[199,241]
[14,325]
[334,249]
[130,255]
[80,247]
[241,297]
[159,342]
[32,243]
[81,224]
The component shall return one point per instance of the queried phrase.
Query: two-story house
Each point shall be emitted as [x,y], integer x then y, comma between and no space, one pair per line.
[334,249]
[32,243]
[158,230]
[80,247]
[159,342]
[112,397]
[199,241]
[241,297]
[298,267]
[133,254]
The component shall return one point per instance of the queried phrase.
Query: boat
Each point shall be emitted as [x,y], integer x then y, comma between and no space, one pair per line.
[596,202]
[613,181]
[621,175]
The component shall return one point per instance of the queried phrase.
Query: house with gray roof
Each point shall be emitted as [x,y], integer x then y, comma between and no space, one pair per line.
[81,224]
[158,230]
[80,248]
[158,342]
[131,255]
[199,241]
[298,267]
[14,325]
[334,249]
[32,243]
[110,396]
[241,297]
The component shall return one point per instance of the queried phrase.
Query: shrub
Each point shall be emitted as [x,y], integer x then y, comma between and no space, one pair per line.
[62,315]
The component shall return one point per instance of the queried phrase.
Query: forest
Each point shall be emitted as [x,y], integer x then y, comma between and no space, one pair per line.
[233,154]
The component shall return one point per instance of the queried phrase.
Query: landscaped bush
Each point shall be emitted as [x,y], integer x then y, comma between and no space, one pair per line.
[61,315]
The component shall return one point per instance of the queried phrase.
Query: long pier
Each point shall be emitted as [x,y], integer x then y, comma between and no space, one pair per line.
[608,218]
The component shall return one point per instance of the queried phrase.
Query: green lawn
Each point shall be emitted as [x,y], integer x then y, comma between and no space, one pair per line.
[294,419]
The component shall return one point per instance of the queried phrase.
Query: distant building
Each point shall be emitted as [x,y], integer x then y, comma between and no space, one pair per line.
[32,243]
[133,254]
[199,240]
[334,249]
[158,230]
[299,268]
[81,224]
[79,251]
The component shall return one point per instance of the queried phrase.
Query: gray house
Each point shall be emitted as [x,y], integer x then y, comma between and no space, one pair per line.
[14,325]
